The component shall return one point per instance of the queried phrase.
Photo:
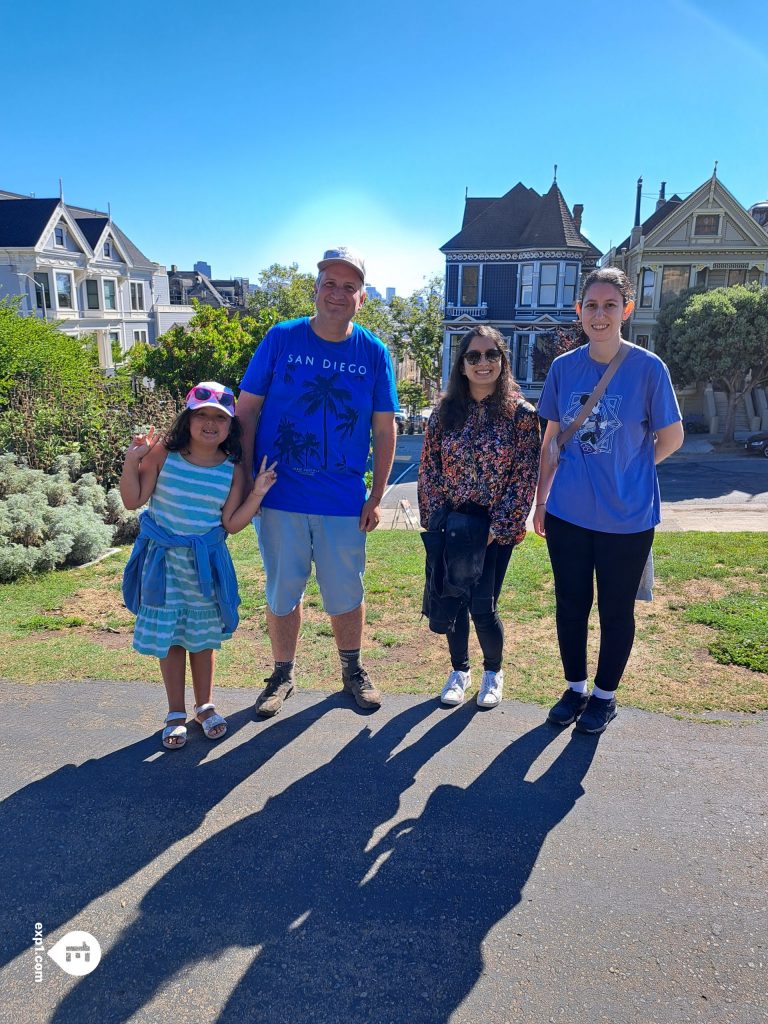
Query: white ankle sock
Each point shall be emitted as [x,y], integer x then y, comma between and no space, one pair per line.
[579,687]
[603,694]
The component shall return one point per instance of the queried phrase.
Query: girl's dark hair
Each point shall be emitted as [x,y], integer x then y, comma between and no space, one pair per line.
[609,275]
[178,436]
[454,408]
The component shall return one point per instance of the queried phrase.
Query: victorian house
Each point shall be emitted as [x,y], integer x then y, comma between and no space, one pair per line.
[707,240]
[75,267]
[516,264]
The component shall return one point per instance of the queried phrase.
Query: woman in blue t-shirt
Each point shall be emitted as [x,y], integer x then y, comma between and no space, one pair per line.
[599,506]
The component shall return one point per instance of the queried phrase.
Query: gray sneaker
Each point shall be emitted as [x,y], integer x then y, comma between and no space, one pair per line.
[279,688]
[363,690]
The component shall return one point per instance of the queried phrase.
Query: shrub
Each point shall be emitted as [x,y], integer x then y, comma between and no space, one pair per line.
[125,522]
[37,351]
[71,431]
[90,535]
[47,520]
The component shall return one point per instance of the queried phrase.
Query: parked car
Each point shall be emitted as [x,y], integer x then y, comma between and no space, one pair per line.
[758,443]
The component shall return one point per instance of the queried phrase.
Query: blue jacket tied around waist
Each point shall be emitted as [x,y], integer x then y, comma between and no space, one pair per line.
[144,576]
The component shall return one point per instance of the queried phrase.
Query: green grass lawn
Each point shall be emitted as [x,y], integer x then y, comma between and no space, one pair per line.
[701,645]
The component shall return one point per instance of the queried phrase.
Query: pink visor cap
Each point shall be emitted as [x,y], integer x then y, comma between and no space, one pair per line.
[210,392]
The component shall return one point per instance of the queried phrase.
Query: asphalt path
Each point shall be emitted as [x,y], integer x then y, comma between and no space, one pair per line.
[418,865]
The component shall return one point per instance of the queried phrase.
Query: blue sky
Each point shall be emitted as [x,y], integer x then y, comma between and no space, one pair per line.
[251,133]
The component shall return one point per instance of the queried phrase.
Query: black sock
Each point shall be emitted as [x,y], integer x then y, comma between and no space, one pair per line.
[285,668]
[350,663]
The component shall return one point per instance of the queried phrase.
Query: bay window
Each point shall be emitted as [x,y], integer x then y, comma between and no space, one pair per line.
[673,281]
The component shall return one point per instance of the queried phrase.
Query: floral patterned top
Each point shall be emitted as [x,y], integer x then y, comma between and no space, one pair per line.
[492,462]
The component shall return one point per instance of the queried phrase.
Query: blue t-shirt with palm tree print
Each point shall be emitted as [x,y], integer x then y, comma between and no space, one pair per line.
[319,400]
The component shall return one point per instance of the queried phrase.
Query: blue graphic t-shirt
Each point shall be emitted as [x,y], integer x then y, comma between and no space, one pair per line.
[319,399]
[607,479]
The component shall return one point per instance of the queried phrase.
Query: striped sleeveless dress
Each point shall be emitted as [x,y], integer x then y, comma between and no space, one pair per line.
[187,499]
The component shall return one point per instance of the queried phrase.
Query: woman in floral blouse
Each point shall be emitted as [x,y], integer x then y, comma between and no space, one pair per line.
[480,459]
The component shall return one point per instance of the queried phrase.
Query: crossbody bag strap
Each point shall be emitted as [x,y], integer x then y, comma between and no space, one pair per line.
[565,435]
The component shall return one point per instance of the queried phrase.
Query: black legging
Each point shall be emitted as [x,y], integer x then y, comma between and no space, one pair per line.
[482,606]
[617,560]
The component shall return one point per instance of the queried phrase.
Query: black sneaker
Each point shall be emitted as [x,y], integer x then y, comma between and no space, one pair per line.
[568,708]
[597,715]
[279,688]
[363,690]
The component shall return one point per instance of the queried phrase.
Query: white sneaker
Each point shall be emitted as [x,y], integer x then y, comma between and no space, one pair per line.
[491,689]
[456,686]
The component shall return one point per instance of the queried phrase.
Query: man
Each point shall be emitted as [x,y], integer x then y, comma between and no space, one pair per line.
[314,392]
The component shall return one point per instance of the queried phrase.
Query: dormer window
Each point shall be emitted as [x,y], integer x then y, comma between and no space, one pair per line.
[706,224]
[108,250]
[58,237]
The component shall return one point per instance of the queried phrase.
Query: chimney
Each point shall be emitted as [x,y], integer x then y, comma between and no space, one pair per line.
[173,268]
[634,237]
[662,195]
[577,212]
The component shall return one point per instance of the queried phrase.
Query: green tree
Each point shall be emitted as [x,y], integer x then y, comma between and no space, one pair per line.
[213,346]
[719,336]
[411,396]
[33,350]
[417,328]
[284,292]
[374,314]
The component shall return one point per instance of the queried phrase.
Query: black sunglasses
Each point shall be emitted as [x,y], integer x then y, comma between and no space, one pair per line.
[225,399]
[491,354]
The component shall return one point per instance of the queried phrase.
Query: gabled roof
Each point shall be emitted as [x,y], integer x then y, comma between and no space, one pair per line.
[22,221]
[92,228]
[495,223]
[473,208]
[552,224]
[195,280]
[655,219]
[134,254]
[521,219]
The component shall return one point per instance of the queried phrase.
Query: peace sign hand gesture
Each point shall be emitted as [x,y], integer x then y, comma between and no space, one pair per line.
[265,478]
[142,444]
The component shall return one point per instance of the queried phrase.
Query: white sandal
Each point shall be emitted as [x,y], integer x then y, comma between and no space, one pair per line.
[211,722]
[177,733]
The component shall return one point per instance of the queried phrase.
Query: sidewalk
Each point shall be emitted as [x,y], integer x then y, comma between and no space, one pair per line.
[415,866]
[690,514]
[675,516]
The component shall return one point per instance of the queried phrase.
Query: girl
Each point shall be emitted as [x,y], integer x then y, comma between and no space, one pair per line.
[598,507]
[180,581]
[476,482]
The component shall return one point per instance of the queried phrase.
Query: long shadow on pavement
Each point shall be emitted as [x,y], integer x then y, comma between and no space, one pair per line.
[83,830]
[337,928]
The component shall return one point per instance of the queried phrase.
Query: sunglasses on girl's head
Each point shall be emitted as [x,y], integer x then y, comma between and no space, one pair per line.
[491,354]
[225,399]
